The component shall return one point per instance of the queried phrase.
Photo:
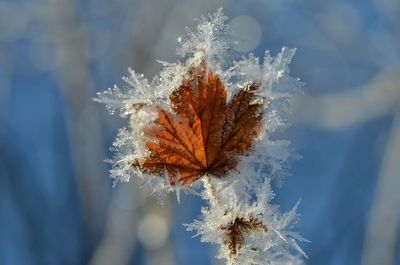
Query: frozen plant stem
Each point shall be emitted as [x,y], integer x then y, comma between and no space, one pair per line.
[210,190]
[203,121]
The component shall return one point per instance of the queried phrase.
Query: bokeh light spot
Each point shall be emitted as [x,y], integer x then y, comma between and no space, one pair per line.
[248,30]
[153,231]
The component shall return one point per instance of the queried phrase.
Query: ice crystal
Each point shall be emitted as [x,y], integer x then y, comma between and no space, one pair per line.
[241,218]
[266,232]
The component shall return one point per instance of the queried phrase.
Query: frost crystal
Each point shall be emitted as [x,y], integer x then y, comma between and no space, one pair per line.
[174,116]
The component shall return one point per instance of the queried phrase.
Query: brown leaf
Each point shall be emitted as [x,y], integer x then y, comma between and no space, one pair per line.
[204,133]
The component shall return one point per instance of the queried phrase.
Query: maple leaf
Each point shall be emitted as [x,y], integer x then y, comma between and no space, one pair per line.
[203,134]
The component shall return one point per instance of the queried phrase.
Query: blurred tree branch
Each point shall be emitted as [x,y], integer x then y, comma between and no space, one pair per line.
[379,97]
[334,112]
[85,130]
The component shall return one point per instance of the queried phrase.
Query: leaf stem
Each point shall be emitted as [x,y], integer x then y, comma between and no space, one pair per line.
[210,191]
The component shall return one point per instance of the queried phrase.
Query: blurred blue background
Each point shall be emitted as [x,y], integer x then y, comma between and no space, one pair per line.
[57,205]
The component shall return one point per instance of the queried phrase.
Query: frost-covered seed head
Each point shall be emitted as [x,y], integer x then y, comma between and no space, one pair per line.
[236,230]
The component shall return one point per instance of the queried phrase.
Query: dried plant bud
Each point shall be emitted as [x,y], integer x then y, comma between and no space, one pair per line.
[235,232]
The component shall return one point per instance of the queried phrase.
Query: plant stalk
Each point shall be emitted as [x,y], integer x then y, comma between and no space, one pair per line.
[210,191]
